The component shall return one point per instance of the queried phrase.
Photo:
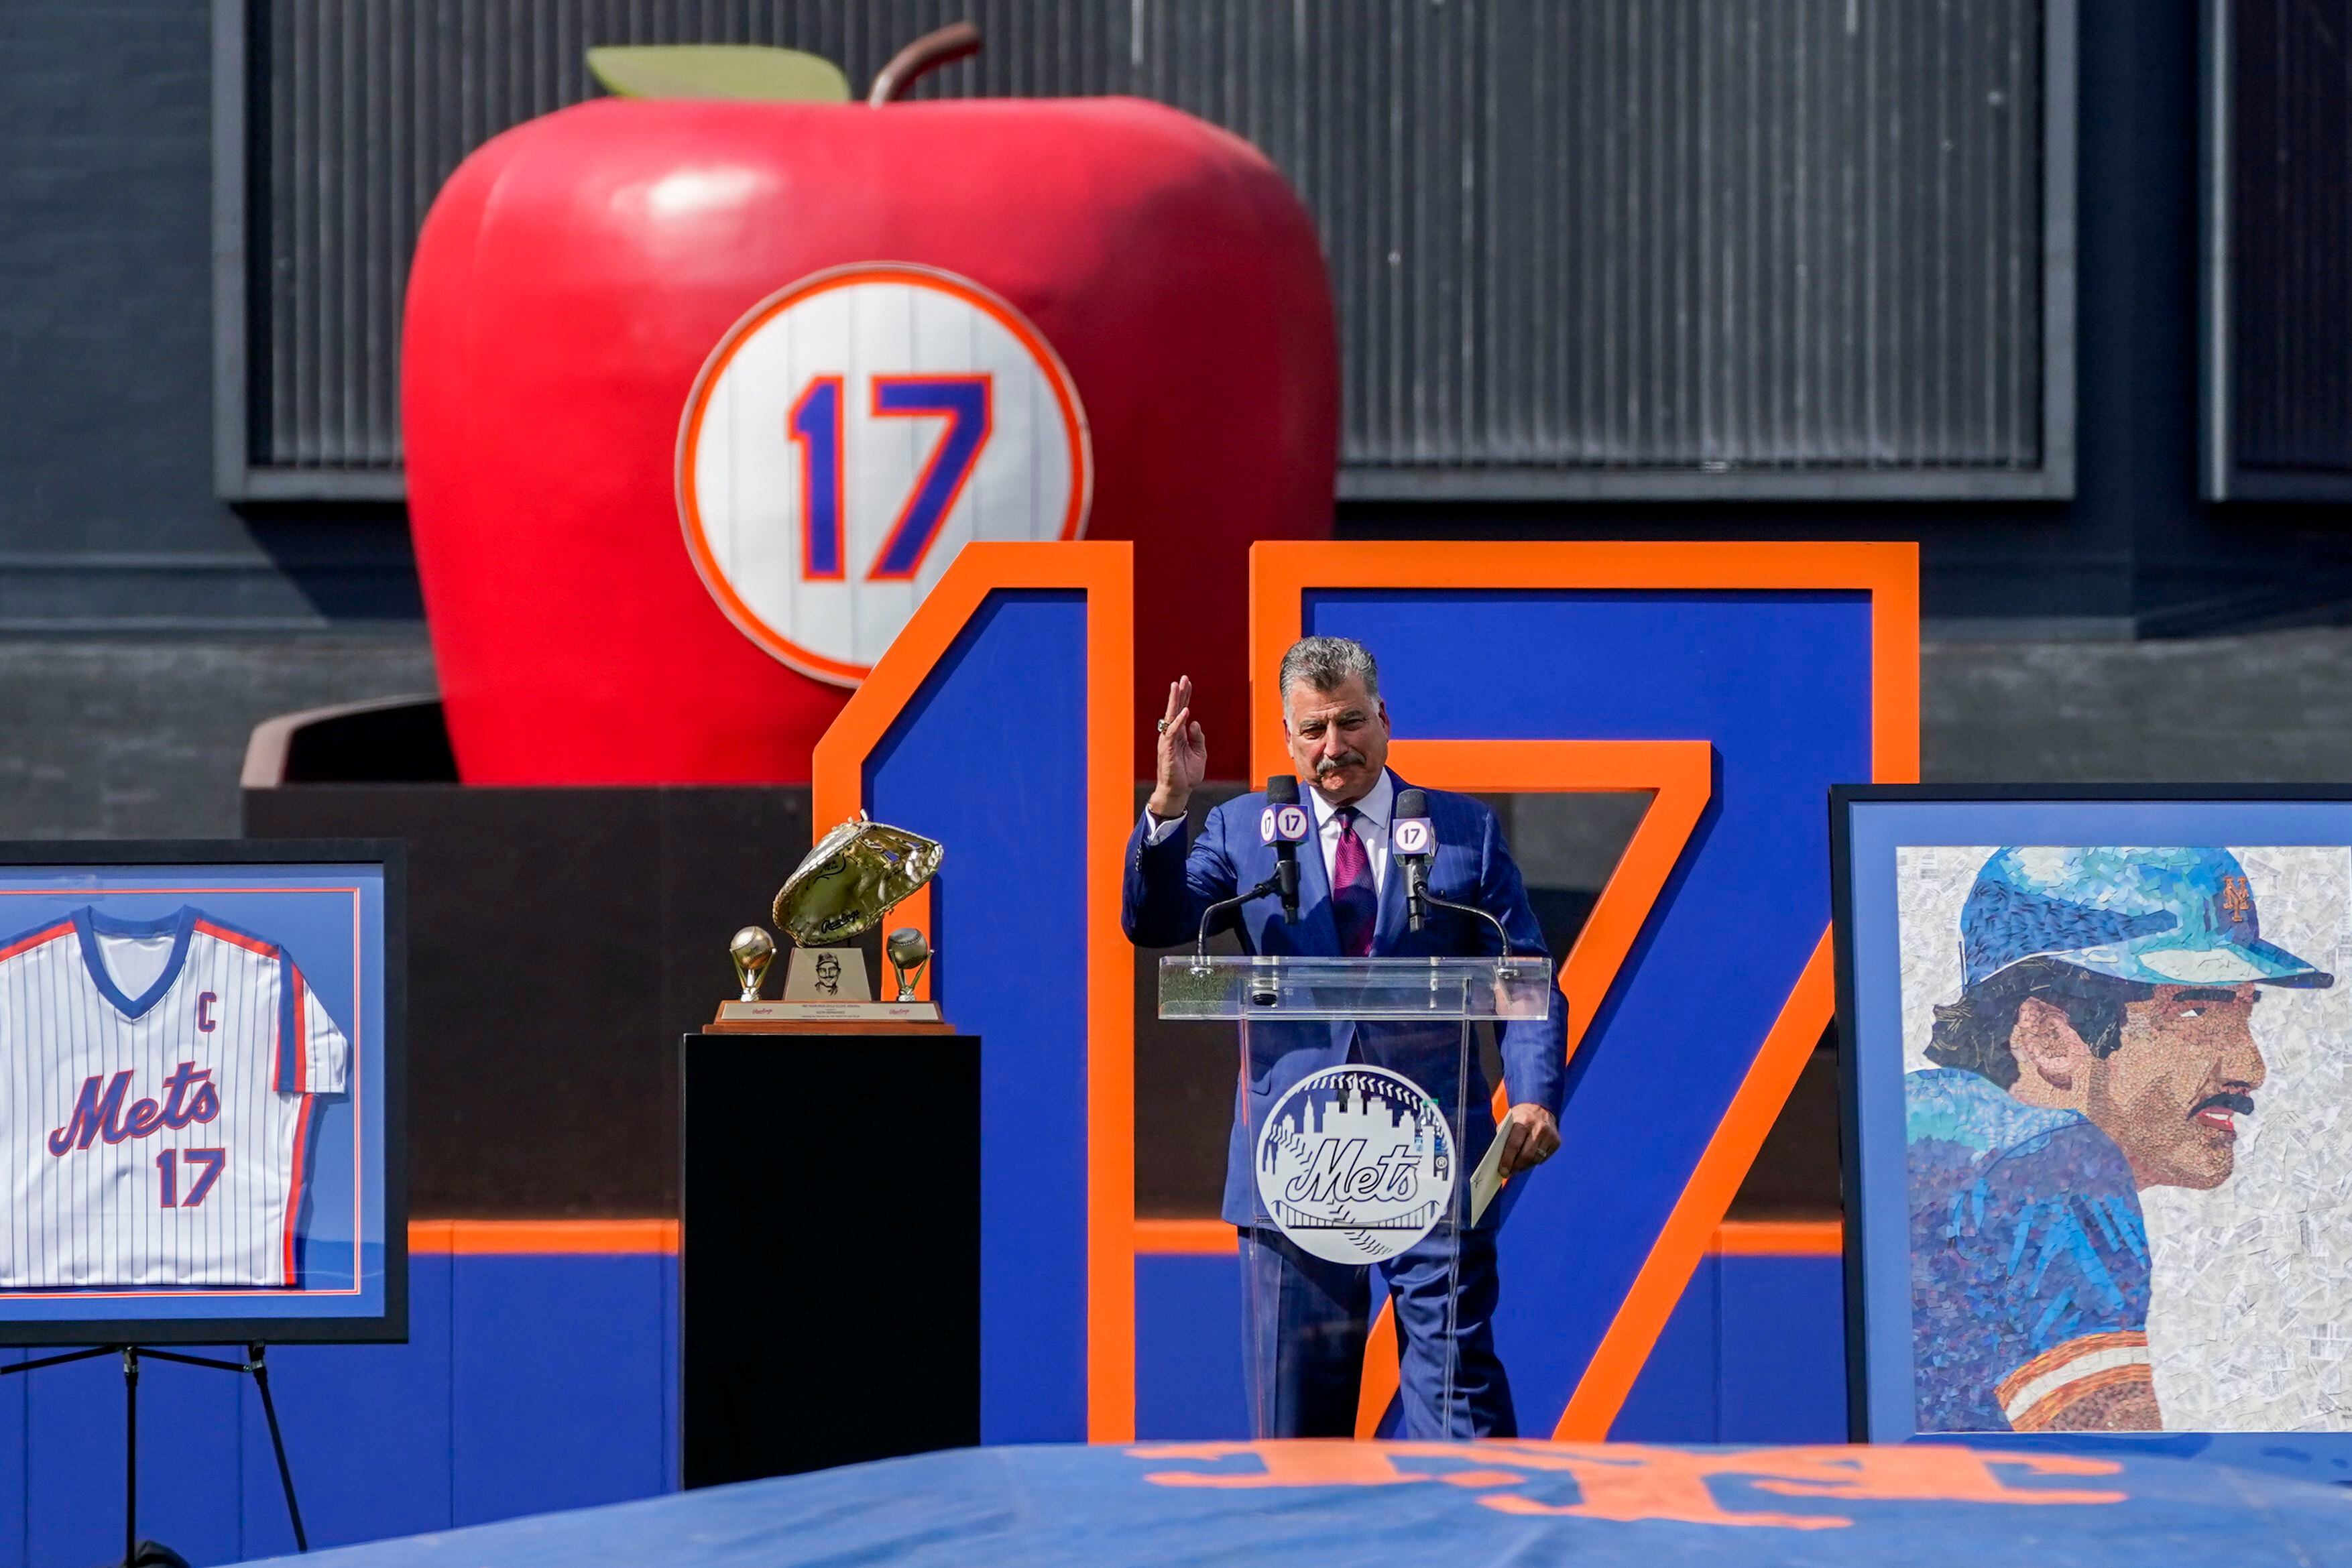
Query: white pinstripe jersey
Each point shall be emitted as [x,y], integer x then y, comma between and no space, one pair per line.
[157,1081]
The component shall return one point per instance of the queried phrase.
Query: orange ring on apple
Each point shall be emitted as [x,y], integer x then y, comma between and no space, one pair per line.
[698,544]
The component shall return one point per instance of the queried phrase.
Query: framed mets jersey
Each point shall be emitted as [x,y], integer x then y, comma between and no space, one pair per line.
[200,1078]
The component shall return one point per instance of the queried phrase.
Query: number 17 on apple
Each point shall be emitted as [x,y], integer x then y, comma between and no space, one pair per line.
[849,434]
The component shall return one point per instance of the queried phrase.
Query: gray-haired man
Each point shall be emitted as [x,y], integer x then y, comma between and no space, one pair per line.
[1306,1368]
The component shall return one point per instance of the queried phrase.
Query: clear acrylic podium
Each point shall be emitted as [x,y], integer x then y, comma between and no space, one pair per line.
[1360,1120]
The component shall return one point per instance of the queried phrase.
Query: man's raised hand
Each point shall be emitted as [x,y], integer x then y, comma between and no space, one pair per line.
[1183,753]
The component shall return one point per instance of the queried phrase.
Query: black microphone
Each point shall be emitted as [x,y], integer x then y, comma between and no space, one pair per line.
[1283,824]
[1412,839]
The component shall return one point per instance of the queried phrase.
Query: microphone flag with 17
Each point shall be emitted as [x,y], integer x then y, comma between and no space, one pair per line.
[1283,824]
[1413,838]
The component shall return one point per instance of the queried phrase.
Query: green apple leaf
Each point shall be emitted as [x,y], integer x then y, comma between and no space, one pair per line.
[750,71]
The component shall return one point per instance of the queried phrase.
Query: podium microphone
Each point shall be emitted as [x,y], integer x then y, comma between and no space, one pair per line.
[1412,842]
[1413,839]
[1283,824]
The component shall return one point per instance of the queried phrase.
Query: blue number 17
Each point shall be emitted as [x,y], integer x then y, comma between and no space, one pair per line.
[815,424]
[167,1164]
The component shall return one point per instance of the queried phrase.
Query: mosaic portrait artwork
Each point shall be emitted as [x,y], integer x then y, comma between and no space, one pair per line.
[2126,1153]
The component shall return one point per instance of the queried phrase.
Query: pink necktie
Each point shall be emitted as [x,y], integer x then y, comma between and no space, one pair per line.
[1355,903]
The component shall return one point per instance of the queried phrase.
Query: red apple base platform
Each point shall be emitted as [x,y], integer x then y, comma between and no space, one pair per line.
[1304,1505]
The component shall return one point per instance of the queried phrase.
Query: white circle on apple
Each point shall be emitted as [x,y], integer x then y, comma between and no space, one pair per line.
[850,434]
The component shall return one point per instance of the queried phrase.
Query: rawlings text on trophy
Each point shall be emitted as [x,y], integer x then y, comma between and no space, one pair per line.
[847,885]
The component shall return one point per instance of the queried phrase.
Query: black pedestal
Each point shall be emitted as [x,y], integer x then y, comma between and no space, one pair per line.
[831,1250]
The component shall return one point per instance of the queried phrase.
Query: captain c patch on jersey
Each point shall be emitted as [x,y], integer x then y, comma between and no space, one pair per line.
[159,1081]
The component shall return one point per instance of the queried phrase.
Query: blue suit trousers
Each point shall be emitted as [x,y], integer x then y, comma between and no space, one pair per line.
[1303,1326]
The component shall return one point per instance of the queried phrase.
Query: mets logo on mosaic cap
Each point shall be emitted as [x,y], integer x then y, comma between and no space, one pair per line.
[1356,1163]
[850,434]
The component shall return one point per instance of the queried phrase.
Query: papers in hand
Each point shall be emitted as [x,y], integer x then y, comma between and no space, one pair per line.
[1487,1179]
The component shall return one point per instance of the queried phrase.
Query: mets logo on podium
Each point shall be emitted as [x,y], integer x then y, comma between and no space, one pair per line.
[1356,1163]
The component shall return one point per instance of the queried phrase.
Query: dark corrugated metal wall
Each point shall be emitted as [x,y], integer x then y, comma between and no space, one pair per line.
[2290,239]
[1624,234]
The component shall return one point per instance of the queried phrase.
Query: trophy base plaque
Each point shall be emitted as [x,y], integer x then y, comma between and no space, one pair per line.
[828,1018]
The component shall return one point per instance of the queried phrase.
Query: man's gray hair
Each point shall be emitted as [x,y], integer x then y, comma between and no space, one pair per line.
[1325,664]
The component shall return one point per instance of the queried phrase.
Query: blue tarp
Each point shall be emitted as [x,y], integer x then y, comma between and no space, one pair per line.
[1458,1506]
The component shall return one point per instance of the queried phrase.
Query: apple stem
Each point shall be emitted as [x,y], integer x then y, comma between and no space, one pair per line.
[956,41]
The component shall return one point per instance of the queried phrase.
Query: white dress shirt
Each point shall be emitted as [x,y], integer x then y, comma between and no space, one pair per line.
[1372,815]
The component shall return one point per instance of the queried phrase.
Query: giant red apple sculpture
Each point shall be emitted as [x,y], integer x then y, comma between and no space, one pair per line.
[700,397]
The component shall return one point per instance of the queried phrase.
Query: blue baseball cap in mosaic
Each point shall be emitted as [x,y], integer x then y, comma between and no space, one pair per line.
[2164,917]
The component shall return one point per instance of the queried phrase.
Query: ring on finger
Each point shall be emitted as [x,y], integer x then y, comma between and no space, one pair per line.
[1164,726]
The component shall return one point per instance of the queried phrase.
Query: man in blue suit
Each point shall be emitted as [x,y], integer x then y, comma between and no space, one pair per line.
[1305,1364]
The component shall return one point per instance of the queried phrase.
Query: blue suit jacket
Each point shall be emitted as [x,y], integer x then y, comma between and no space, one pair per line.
[1168,884]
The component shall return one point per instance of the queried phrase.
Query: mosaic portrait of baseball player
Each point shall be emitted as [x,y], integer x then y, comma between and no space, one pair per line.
[2124,1069]
[187,1060]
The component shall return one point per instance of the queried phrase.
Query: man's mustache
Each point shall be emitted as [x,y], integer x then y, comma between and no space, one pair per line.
[2229,1100]
[1333,764]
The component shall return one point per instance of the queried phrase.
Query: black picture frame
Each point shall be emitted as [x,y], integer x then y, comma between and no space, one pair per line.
[388,1326]
[1843,799]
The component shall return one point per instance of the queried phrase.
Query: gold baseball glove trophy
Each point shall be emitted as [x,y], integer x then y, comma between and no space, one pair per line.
[847,885]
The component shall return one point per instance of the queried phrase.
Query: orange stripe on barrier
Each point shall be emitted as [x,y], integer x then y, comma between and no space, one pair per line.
[1105,571]
[1682,1239]
[540,1237]
[1153,1237]
[1780,1239]
[1180,1237]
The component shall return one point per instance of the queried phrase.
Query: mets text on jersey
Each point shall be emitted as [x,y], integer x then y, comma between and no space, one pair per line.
[95,1114]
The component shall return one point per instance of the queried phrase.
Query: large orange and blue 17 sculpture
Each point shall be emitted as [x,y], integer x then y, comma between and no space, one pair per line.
[1734,684]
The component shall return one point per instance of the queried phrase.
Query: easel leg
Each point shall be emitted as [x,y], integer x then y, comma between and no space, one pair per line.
[129,1455]
[130,1353]
[278,1443]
